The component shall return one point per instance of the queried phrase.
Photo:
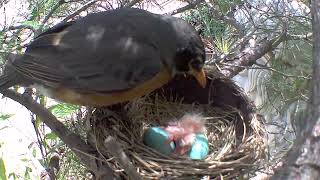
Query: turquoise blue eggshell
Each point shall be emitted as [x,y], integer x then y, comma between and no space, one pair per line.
[156,137]
[200,147]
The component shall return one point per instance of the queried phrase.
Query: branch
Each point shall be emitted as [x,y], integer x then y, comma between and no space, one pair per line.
[55,7]
[307,36]
[269,69]
[302,161]
[227,19]
[39,139]
[48,16]
[83,8]
[116,151]
[185,8]
[82,150]
[261,66]
[248,57]
[23,26]
[38,31]
[132,3]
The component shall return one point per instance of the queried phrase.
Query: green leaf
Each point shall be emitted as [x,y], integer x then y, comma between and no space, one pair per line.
[13,175]
[223,45]
[27,173]
[34,152]
[37,122]
[42,162]
[49,4]
[63,110]
[2,170]
[202,19]
[34,24]
[5,116]
[224,8]
[24,159]
[50,136]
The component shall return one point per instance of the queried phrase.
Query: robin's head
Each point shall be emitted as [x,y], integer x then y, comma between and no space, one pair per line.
[190,53]
[190,60]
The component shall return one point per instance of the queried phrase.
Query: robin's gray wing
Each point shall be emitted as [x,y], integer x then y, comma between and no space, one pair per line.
[88,57]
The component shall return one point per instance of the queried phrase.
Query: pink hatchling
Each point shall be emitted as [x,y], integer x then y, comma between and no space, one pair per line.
[183,132]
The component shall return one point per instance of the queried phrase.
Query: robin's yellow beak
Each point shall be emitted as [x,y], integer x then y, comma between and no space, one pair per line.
[200,76]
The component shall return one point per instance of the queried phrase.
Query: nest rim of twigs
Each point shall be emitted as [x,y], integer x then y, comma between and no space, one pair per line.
[236,156]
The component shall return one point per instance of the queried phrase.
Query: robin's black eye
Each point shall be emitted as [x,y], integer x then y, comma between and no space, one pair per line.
[182,60]
[196,64]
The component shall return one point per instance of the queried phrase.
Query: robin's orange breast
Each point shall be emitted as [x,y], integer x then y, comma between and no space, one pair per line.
[99,99]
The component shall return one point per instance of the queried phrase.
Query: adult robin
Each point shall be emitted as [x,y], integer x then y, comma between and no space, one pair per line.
[108,57]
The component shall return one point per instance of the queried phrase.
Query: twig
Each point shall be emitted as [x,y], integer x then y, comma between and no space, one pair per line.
[83,8]
[227,19]
[39,139]
[55,7]
[267,68]
[22,26]
[185,8]
[248,57]
[72,140]
[306,36]
[286,75]
[303,158]
[116,151]
[132,3]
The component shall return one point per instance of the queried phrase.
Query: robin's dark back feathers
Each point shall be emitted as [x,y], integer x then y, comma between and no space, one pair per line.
[108,52]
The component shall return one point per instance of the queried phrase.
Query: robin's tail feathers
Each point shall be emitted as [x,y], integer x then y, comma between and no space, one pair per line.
[10,77]
[6,82]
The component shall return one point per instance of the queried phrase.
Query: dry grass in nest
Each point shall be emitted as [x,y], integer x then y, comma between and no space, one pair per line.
[229,156]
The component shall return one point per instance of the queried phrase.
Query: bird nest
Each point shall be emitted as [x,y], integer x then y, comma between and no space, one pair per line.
[235,134]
